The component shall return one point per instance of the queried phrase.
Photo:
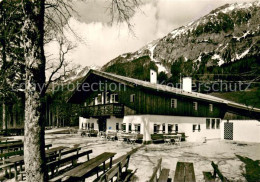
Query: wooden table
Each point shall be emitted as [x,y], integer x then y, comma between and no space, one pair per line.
[168,139]
[184,172]
[11,145]
[19,160]
[48,145]
[5,139]
[128,137]
[11,141]
[82,170]
[53,151]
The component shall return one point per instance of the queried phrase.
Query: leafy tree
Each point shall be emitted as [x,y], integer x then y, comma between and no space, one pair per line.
[162,77]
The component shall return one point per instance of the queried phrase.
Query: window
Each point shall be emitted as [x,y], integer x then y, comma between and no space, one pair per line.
[218,123]
[196,127]
[98,99]
[155,128]
[174,103]
[130,127]
[124,127]
[207,123]
[114,98]
[195,106]
[132,98]
[117,126]
[176,128]
[212,123]
[211,107]
[107,97]
[163,127]
[92,126]
[137,128]
[170,128]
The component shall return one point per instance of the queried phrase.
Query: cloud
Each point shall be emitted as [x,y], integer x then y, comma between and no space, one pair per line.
[103,42]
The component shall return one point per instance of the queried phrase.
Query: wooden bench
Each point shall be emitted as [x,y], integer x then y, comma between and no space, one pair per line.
[47,146]
[117,160]
[80,172]
[10,146]
[50,157]
[19,160]
[5,139]
[210,178]
[10,154]
[7,168]
[51,166]
[163,173]
[53,153]
[184,172]
[58,155]
[117,169]
[10,141]
[111,135]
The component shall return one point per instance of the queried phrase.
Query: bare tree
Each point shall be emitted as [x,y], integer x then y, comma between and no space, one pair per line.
[59,67]
[35,33]
[122,11]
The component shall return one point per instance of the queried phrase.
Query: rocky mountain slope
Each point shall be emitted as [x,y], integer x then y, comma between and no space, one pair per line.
[227,37]
[78,73]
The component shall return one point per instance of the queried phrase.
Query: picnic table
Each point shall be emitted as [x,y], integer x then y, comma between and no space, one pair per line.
[184,172]
[19,160]
[10,146]
[55,150]
[130,138]
[81,171]
[10,141]
[171,139]
[111,135]
[48,146]
[5,139]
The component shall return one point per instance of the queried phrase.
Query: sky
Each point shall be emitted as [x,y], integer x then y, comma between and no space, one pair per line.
[100,41]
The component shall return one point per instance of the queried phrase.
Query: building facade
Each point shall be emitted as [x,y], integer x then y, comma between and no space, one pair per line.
[115,103]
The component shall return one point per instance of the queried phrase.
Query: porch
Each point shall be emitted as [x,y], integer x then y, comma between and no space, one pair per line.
[103,110]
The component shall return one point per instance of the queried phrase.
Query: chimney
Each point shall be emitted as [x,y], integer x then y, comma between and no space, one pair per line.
[153,76]
[187,84]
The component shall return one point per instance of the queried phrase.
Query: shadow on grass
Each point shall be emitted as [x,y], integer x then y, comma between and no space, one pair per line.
[252,169]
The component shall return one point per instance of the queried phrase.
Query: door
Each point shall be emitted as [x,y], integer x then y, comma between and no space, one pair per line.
[102,124]
[228,131]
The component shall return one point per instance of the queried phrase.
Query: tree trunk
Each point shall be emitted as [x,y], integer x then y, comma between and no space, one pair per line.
[49,114]
[15,115]
[53,118]
[33,33]
[4,117]
[57,117]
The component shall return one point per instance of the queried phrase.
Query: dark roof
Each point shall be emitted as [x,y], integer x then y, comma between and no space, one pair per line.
[164,88]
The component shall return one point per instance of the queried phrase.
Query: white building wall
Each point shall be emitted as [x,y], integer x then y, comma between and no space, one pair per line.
[245,130]
[83,123]
[153,76]
[111,123]
[198,136]
[187,84]
[185,124]
[93,120]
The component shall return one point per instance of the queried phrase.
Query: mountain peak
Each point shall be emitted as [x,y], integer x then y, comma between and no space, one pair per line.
[225,35]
